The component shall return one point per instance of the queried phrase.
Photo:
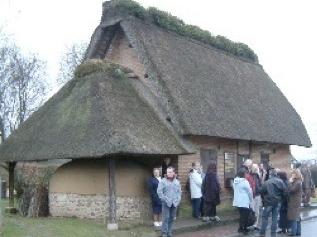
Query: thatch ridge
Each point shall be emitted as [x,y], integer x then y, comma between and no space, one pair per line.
[172,23]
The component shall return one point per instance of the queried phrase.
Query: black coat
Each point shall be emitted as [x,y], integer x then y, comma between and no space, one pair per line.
[152,185]
[283,222]
[273,191]
[211,188]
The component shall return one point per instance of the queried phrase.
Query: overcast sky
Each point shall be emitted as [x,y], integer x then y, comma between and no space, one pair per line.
[282,33]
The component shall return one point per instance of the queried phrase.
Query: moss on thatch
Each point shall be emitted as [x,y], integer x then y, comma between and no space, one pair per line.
[173,23]
[103,66]
[98,113]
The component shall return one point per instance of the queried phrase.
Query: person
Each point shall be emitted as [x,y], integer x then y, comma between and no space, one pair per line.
[169,191]
[242,199]
[211,193]
[272,191]
[195,182]
[294,202]
[202,173]
[248,166]
[283,222]
[308,184]
[156,202]
[257,201]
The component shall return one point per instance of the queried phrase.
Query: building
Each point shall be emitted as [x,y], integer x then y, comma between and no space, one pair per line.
[143,94]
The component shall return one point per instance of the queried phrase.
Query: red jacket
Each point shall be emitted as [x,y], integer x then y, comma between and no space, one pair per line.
[252,182]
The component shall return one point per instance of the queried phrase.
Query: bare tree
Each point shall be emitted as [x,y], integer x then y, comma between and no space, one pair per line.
[22,85]
[73,56]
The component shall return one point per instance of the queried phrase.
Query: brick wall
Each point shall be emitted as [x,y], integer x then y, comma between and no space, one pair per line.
[279,156]
[121,52]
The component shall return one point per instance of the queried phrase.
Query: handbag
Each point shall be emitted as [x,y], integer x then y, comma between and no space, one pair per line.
[251,218]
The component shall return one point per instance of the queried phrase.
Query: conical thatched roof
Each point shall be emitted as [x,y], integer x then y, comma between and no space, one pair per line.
[205,91]
[98,113]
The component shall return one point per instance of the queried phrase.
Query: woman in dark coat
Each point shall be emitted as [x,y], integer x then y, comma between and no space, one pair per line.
[211,193]
[156,202]
[284,224]
[294,202]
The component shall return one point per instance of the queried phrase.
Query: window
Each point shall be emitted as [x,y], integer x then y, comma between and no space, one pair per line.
[241,159]
[229,168]
[207,156]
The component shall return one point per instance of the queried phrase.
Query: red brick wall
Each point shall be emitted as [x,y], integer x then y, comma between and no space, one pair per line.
[279,156]
[120,52]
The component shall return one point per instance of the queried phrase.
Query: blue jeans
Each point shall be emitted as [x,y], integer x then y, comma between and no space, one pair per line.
[168,215]
[274,210]
[196,204]
[296,228]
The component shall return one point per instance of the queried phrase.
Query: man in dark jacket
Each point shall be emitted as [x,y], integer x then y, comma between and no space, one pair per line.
[272,191]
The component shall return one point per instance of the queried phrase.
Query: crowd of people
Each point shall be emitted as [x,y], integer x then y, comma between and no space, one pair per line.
[259,193]
[262,193]
[165,192]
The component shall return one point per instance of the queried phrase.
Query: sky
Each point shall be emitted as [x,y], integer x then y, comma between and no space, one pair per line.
[282,33]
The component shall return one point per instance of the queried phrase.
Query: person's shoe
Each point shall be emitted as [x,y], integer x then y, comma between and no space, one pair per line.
[206,218]
[216,218]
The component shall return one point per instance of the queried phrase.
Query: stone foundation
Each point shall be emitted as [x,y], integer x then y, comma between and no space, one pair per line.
[134,209]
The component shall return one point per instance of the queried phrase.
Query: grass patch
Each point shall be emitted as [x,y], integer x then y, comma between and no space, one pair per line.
[18,226]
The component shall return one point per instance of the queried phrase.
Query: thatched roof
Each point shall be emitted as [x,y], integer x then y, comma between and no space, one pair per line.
[205,91]
[192,89]
[96,114]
